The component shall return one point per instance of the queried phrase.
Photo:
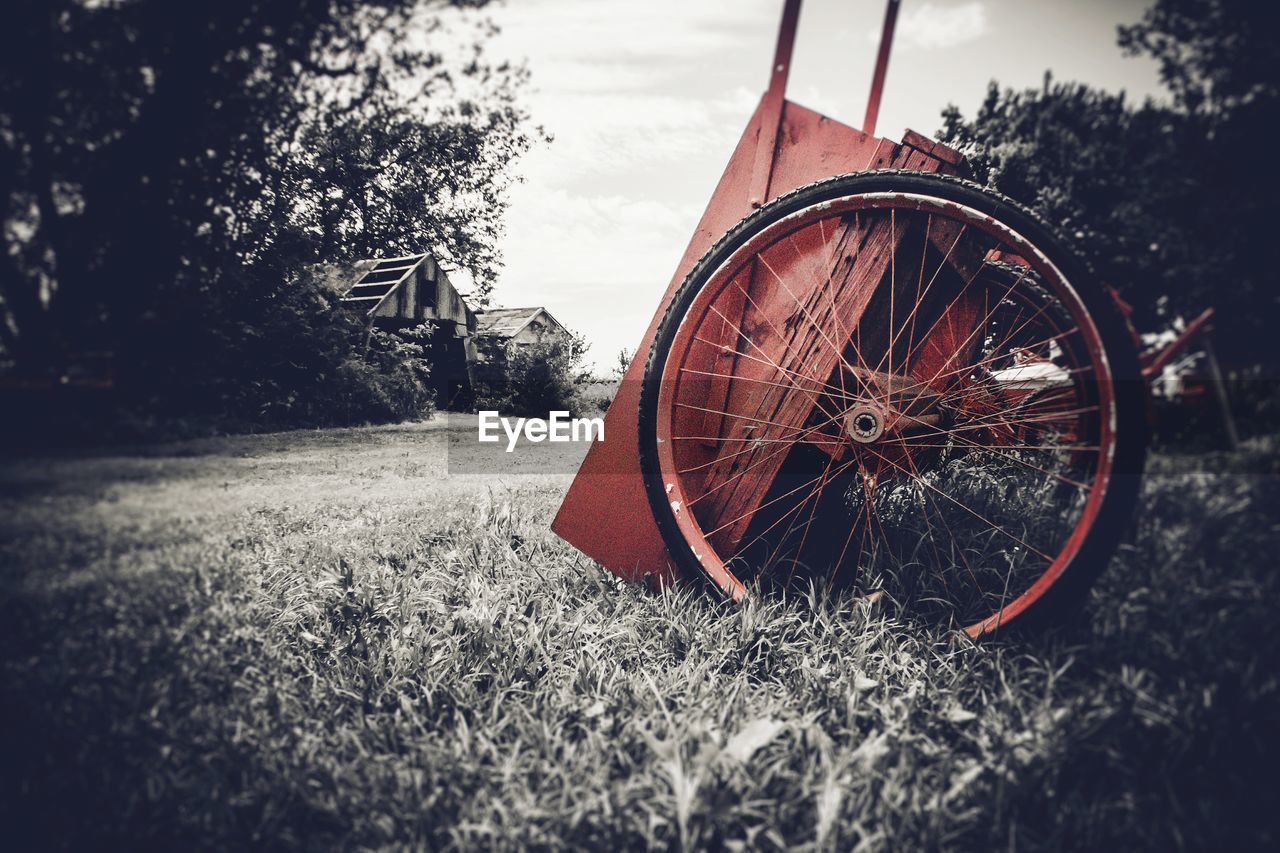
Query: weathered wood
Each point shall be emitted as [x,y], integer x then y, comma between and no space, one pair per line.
[931,148]
[807,342]
[842,325]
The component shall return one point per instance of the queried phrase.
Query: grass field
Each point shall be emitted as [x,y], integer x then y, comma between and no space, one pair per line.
[321,639]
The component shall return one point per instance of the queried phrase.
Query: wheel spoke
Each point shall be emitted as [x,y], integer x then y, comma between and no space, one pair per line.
[960,477]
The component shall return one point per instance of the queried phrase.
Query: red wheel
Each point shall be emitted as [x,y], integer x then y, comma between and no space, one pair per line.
[900,382]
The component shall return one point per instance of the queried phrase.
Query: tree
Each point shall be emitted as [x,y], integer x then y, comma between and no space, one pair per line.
[1218,57]
[1169,202]
[1099,170]
[621,362]
[169,170]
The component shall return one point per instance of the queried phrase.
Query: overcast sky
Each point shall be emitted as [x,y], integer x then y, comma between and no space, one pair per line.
[646,99]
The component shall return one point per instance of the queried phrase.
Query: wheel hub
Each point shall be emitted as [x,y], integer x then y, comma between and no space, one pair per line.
[864,424]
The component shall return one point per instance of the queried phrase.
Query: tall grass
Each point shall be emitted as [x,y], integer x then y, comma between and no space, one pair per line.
[317,639]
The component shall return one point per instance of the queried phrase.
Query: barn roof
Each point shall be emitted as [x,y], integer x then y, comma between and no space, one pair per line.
[376,279]
[507,322]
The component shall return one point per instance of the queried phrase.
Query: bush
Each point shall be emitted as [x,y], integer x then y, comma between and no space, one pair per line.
[269,353]
[389,382]
[533,380]
[1161,197]
[283,354]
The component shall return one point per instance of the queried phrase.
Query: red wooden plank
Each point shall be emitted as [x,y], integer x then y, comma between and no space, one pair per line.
[812,345]
[932,148]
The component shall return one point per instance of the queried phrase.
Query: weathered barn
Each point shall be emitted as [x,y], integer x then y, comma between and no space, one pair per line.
[518,327]
[402,292]
[398,293]
[502,331]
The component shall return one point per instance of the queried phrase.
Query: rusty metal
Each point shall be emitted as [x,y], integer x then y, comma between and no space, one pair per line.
[772,102]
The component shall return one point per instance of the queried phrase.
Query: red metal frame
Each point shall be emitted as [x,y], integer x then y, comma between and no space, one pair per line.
[605,513]
[882,66]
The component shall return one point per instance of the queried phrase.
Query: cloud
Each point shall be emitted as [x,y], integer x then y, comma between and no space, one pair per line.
[600,134]
[646,102]
[598,262]
[623,87]
[644,113]
[930,26]
[623,47]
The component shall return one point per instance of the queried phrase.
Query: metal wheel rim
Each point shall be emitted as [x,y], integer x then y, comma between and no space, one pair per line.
[720,279]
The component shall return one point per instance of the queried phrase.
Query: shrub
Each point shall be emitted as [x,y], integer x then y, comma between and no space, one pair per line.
[287,355]
[531,380]
[388,382]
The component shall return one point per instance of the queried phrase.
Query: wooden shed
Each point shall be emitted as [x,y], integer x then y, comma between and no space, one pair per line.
[401,292]
[500,331]
[519,326]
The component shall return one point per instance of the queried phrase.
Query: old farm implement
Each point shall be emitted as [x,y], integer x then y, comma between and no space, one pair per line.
[868,372]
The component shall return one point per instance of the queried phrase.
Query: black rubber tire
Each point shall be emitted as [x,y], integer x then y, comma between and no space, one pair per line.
[1131,426]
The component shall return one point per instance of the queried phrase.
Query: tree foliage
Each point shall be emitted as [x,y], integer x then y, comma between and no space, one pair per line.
[1173,203]
[1217,57]
[169,170]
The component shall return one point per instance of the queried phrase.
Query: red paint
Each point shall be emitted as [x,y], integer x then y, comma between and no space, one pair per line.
[882,66]
[605,513]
